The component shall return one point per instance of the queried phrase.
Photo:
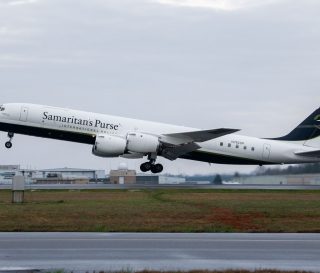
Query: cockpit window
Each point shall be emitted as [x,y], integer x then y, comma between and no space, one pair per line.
[2,108]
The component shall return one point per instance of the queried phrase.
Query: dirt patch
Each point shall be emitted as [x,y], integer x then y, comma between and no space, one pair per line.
[237,221]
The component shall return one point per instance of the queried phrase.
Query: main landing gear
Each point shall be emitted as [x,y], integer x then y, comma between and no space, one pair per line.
[151,166]
[154,168]
[9,143]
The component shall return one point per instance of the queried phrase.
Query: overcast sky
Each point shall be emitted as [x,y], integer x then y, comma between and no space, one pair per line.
[249,64]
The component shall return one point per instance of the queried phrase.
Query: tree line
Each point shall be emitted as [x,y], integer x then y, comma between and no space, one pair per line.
[292,169]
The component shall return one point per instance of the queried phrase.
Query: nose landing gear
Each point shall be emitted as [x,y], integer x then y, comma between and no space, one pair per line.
[9,143]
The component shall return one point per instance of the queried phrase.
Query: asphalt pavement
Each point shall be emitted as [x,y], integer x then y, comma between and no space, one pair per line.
[182,186]
[136,251]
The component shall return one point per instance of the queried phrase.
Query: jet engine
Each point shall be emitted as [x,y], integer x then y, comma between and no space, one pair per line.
[109,146]
[133,144]
[142,143]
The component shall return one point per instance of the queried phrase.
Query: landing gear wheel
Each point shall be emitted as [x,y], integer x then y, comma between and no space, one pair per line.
[8,145]
[145,167]
[158,168]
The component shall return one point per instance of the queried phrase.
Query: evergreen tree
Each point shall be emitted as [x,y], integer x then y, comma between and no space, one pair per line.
[236,175]
[313,168]
[217,180]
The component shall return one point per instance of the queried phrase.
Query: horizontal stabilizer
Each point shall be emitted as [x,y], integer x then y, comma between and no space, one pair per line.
[315,153]
[196,136]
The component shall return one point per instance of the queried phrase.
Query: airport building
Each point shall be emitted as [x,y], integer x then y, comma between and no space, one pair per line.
[297,179]
[84,176]
[125,176]
[72,173]
[51,176]
[7,172]
[68,176]
[160,180]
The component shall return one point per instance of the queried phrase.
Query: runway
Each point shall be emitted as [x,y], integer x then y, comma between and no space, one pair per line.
[151,187]
[136,251]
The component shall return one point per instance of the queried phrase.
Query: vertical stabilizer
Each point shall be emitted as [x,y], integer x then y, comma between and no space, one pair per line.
[307,132]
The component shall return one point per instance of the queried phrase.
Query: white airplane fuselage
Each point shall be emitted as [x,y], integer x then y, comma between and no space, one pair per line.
[85,127]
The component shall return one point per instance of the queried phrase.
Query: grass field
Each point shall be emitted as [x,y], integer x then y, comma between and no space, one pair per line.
[163,211]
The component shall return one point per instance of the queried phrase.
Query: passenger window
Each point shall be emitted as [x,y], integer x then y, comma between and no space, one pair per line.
[2,108]
[229,145]
[221,143]
[245,147]
[252,149]
[237,146]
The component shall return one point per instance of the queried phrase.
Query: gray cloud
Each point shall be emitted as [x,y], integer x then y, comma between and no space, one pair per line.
[224,5]
[255,69]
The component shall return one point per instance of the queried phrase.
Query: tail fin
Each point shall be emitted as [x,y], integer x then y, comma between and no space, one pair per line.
[307,130]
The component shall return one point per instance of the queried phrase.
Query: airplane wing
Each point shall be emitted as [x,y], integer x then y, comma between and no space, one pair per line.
[178,144]
[174,152]
[315,153]
[196,136]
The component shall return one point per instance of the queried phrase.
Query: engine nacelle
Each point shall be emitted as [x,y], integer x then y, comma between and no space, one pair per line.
[142,143]
[109,146]
[135,145]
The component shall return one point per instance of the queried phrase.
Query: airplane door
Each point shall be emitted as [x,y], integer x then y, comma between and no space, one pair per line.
[266,151]
[24,113]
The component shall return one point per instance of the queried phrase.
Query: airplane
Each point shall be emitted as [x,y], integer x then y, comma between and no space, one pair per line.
[112,136]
